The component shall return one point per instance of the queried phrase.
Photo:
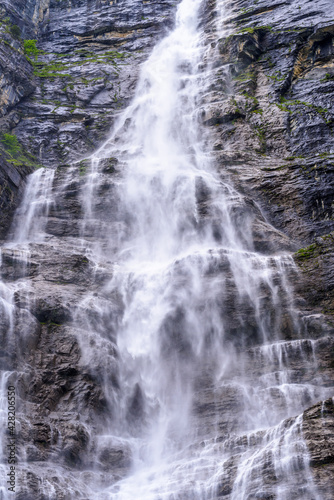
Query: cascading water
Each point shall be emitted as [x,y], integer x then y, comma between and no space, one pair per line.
[28,226]
[207,392]
[185,268]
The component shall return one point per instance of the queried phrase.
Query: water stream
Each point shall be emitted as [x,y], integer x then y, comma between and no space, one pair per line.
[208,390]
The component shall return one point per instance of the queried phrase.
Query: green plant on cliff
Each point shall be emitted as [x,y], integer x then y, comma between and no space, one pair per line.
[261,131]
[327,78]
[14,152]
[11,144]
[50,70]
[254,29]
[11,29]
[277,76]
[306,253]
[233,102]
[83,165]
[30,49]
[56,66]
[244,77]
[286,104]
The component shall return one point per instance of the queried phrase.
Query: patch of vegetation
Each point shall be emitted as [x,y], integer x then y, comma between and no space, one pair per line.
[272,169]
[11,144]
[234,103]
[254,29]
[254,99]
[249,30]
[83,165]
[50,70]
[307,253]
[73,108]
[292,158]
[14,152]
[277,76]
[260,132]
[57,68]
[30,49]
[285,105]
[244,77]
[244,10]
[11,29]
[328,77]
[266,58]
[252,103]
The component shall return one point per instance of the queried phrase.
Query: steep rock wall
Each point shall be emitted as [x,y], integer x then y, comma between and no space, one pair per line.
[61,102]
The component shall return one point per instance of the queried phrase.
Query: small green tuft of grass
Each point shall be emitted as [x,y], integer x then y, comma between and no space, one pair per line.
[306,253]
[328,77]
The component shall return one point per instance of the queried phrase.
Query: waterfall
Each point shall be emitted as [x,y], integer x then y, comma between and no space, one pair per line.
[194,335]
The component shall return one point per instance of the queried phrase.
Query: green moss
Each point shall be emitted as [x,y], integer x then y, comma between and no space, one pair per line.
[285,105]
[14,152]
[277,76]
[254,99]
[50,70]
[266,169]
[292,158]
[83,165]
[244,77]
[248,30]
[307,253]
[260,132]
[327,78]
[254,29]
[57,68]
[234,103]
[11,29]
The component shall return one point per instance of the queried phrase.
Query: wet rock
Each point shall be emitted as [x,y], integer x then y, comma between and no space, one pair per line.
[16,71]
[136,405]
[317,284]
[16,83]
[276,113]
[116,460]
[318,428]
[75,439]
[173,336]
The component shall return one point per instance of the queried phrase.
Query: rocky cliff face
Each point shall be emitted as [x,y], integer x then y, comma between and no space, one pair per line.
[273,129]
[268,110]
[61,103]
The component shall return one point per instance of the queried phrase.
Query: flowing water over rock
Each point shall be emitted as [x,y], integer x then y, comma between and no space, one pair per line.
[192,333]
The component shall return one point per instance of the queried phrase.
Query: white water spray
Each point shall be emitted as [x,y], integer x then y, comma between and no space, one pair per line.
[195,296]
